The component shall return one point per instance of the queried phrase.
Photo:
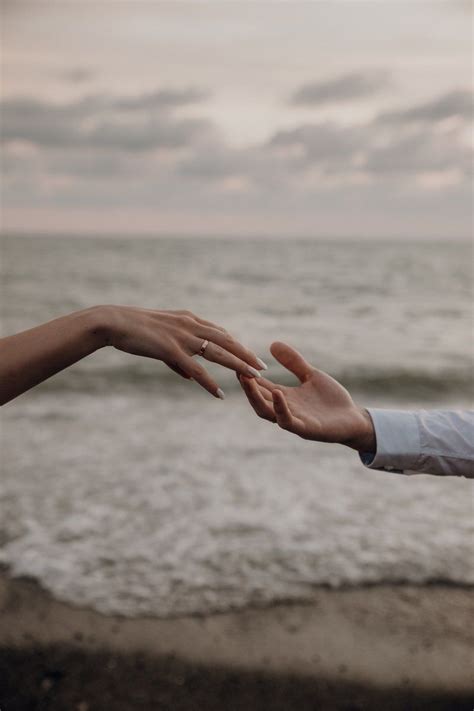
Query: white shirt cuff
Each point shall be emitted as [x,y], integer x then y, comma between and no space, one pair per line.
[397,441]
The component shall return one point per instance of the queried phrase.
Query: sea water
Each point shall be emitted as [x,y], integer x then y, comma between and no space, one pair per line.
[130,490]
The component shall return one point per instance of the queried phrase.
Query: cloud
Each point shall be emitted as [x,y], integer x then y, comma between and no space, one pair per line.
[99,125]
[77,75]
[457,104]
[164,99]
[254,170]
[95,153]
[97,121]
[146,135]
[45,123]
[329,157]
[418,152]
[326,144]
[340,89]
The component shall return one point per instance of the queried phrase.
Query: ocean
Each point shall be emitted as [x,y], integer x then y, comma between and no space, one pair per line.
[129,490]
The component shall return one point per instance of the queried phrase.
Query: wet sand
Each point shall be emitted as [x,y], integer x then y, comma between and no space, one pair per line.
[379,647]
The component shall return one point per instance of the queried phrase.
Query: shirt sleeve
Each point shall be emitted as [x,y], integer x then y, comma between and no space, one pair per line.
[423,441]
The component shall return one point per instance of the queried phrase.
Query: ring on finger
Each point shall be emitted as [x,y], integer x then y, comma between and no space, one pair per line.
[203,347]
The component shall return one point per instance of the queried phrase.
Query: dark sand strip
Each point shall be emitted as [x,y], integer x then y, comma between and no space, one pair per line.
[380,647]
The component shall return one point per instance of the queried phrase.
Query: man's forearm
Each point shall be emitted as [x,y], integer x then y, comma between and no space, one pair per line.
[32,356]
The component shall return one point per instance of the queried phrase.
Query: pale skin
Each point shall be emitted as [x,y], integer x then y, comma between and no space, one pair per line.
[174,337]
[319,408]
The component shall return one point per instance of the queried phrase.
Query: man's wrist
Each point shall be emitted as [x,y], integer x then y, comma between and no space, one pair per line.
[364,439]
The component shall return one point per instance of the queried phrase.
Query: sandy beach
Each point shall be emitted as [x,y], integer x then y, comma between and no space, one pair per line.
[392,647]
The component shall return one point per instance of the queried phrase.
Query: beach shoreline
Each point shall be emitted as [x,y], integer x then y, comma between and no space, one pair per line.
[379,642]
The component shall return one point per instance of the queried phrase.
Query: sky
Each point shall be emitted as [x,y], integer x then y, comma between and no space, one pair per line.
[325,119]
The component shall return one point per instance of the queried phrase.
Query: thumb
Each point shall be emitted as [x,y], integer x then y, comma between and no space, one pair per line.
[291,360]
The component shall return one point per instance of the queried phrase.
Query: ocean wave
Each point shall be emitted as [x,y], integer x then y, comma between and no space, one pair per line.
[390,381]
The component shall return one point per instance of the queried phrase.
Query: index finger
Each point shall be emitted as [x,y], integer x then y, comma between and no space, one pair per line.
[229,343]
[262,407]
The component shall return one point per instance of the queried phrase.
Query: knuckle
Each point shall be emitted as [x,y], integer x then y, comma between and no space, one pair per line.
[183,319]
[196,371]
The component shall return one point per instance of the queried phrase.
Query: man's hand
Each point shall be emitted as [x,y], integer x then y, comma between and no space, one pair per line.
[319,408]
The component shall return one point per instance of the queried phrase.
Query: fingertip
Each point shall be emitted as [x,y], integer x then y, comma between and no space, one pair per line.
[292,360]
[276,346]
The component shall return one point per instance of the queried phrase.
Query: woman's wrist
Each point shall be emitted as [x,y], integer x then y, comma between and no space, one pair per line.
[102,323]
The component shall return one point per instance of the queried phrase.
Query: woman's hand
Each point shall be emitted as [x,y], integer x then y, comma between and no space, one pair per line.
[32,356]
[319,408]
[174,337]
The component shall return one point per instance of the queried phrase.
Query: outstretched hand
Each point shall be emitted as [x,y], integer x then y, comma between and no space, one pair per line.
[32,356]
[175,337]
[319,408]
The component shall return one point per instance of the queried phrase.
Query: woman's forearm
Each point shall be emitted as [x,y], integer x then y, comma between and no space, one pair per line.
[32,356]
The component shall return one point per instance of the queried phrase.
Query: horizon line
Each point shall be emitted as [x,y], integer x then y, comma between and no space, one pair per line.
[4,233]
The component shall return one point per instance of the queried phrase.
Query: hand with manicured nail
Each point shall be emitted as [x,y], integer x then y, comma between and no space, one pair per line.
[174,337]
[319,408]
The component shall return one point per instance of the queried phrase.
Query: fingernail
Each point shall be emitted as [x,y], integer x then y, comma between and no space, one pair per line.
[263,365]
[220,394]
[253,372]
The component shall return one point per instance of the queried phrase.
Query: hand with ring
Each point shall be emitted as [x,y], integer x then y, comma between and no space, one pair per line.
[174,337]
